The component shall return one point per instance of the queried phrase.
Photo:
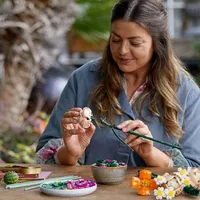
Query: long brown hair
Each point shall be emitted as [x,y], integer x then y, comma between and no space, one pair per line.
[163,75]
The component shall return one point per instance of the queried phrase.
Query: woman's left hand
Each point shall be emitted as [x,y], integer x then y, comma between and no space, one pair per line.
[141,146]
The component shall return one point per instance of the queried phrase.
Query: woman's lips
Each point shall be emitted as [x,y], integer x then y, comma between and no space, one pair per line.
[125,60]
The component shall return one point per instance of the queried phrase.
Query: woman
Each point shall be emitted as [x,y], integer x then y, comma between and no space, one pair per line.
[138,85]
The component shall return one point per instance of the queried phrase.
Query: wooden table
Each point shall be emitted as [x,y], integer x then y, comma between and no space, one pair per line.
[122,191]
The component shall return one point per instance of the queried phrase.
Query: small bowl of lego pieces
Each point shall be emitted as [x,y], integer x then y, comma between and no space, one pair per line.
[109,172]
[71,188]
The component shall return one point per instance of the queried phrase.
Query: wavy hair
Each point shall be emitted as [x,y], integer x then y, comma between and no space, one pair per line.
[163,78]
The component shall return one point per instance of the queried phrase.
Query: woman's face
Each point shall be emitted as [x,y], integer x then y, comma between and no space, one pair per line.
[131,46]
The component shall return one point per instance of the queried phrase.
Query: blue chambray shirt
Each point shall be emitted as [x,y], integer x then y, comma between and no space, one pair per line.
[104,143]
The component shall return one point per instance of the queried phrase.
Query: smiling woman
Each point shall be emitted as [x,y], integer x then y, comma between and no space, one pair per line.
[139,85]
[133,49]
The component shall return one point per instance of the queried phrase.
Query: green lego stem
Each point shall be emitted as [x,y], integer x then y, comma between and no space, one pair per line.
[137,134]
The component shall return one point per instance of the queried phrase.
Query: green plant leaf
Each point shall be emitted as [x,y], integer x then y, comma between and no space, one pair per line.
[94,22]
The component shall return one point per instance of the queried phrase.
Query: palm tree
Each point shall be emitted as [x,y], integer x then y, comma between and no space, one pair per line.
[30,36]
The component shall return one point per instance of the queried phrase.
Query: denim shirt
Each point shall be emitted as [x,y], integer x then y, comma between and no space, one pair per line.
[104,143]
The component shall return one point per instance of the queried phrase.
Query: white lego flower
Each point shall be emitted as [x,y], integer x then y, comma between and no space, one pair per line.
[160,180]
[172,183]
[159,193]
[182,172]
[186,181]
[170,193]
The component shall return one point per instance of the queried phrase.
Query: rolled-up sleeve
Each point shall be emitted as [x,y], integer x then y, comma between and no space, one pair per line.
[65,102]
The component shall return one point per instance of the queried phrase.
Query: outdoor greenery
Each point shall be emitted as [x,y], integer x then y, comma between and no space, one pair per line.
[31,37]
[196,46]
[93,24]
[18,145]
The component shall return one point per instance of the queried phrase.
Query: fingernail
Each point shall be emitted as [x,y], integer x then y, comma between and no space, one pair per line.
[124,129]
[76,118]
[125,140]
[119,126]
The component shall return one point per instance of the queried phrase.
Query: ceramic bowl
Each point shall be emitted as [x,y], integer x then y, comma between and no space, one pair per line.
[109,175]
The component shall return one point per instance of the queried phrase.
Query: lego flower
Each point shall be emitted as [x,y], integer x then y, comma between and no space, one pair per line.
[182,172]
[159,193]
[172,183]
[186,182]
[170,193]
[160,180]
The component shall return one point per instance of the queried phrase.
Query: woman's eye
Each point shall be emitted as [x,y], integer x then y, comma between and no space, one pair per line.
[116,41]
[135,44]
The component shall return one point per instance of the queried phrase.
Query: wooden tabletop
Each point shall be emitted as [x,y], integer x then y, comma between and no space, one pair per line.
[122,191]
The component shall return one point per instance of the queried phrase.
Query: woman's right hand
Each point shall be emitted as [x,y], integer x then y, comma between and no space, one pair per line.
[75,138]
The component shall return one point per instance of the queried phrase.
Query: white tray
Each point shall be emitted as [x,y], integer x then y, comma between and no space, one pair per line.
[67,192]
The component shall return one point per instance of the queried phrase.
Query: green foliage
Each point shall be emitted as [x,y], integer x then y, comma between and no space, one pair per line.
[191,1]
[197,46]
[94,22]
[18,147]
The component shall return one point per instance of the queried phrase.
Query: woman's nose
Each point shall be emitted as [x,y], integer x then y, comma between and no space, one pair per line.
[124,48]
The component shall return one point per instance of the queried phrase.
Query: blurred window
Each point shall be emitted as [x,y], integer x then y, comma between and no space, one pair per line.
[175,18]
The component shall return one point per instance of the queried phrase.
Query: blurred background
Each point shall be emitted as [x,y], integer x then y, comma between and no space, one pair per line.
[43,41]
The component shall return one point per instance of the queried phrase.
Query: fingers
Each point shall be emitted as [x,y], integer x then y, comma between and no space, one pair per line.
[70,129]
[131,125]
[73,123]
[135,140]
[90,131]
[92,127]
[138,142]
[74,112]
[71,116]
[139,127]
[71,132]
[69,121]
